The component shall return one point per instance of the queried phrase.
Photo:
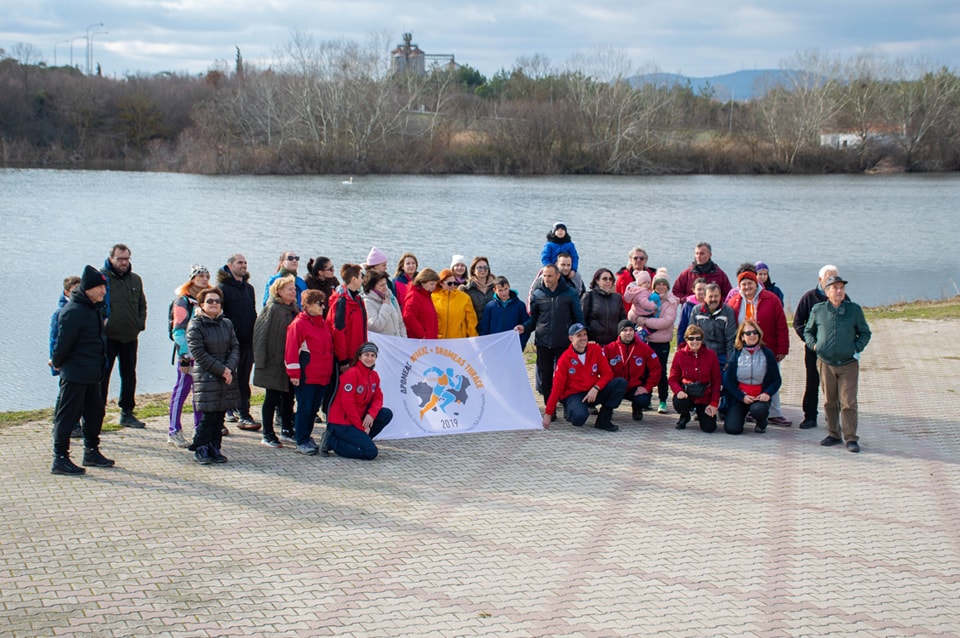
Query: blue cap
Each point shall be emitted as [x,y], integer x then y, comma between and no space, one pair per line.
[575,328]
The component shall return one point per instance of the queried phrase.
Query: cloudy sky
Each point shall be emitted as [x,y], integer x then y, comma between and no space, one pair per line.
[696,38]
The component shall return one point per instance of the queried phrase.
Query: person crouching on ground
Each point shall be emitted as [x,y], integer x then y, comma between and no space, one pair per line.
[357,414]
[750,379]
[695,381]
[215,352]
[583,379]
[634,361]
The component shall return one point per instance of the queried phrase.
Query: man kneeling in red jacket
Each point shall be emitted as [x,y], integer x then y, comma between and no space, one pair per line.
[583,378]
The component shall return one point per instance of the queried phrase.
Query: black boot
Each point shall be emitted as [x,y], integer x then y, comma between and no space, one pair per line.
[325,442]
[682,421]
[63,465]
[216,455]
[127,420]
[605,420]
[93,458]
[202,455]
[637,412]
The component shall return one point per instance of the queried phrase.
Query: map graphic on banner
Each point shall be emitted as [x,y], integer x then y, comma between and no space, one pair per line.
[452,386]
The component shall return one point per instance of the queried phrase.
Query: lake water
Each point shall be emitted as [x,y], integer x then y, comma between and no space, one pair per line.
[891,236]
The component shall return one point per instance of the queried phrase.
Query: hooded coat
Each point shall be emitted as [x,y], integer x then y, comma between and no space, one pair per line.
[214,348]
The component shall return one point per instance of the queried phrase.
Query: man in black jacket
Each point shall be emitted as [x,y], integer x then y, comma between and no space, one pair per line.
[80,357]
[240,307]
[812,387]
[554,307]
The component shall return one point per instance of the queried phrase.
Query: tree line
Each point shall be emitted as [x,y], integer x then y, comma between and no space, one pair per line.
[337,107]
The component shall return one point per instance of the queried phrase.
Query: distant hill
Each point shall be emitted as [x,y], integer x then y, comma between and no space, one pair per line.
[741,86]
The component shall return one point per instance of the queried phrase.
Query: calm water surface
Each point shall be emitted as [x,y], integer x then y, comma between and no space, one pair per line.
[891,236]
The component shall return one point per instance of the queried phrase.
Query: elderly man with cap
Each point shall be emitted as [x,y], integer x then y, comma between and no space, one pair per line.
[811,388]
[838,332]
[80,355]
[583,379]
[636,363]
[752,302]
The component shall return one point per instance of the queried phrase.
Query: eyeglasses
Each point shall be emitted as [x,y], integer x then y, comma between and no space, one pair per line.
[293,257]
[638,258]
[605,279]
[750,333]
[482,268]
[693,338]
[212,301]
[449,283]
[330,269]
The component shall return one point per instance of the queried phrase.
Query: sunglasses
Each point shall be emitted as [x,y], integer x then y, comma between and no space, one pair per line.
[449,283]
[482,268]
[212,301]
[693,339]
[606,279]
[750,333]
[293,257]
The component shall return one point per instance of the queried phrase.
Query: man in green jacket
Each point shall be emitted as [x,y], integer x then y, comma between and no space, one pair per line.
[838,332]
[126,309]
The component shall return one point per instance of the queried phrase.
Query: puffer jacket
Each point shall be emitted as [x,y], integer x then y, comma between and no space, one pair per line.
[837,334]
[660,328]
[308,353]
[770,383]
[269,342]
[456,318]
[383,314]
[214,348]
[125,304]
[479,298]
[419,313]
[602,311]
[552,312]
[80,350]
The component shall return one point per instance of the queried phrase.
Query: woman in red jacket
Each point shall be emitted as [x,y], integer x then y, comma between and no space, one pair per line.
[357,414]
[309,361]
[695,380]
[419,313]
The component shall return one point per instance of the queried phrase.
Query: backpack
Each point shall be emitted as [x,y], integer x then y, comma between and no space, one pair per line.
[170,314]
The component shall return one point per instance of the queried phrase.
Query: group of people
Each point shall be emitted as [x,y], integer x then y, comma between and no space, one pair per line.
[308,345]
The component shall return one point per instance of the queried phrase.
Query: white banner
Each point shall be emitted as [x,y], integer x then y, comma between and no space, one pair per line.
[451,386]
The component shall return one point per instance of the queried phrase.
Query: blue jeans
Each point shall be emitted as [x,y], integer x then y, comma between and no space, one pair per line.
[353,443]
[309,396]
[639,401]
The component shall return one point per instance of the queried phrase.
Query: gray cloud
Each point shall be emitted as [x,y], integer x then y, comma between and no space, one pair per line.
[694,37]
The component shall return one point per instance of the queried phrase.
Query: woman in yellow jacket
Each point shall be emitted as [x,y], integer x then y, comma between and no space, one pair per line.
[455,312]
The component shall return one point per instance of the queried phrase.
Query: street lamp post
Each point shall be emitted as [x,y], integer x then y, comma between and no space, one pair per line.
[91,46]
[89,50]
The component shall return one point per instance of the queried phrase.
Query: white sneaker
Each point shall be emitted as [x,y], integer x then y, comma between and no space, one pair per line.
[176,439]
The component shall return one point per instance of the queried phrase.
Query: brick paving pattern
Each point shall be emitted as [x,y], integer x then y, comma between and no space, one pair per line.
[570,532]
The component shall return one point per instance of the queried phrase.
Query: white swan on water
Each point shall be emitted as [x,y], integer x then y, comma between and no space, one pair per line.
[348,181]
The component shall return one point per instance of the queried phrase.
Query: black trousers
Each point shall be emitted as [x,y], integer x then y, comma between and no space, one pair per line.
[244,367]
[127,354]
[811,390]
[546,363]
[210,430]
[683,407]
[77,400]
[272,399]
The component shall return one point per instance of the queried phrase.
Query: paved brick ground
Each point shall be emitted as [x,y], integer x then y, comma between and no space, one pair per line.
[648,531]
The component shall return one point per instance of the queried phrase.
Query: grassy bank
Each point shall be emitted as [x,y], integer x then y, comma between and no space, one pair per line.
[153,405]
